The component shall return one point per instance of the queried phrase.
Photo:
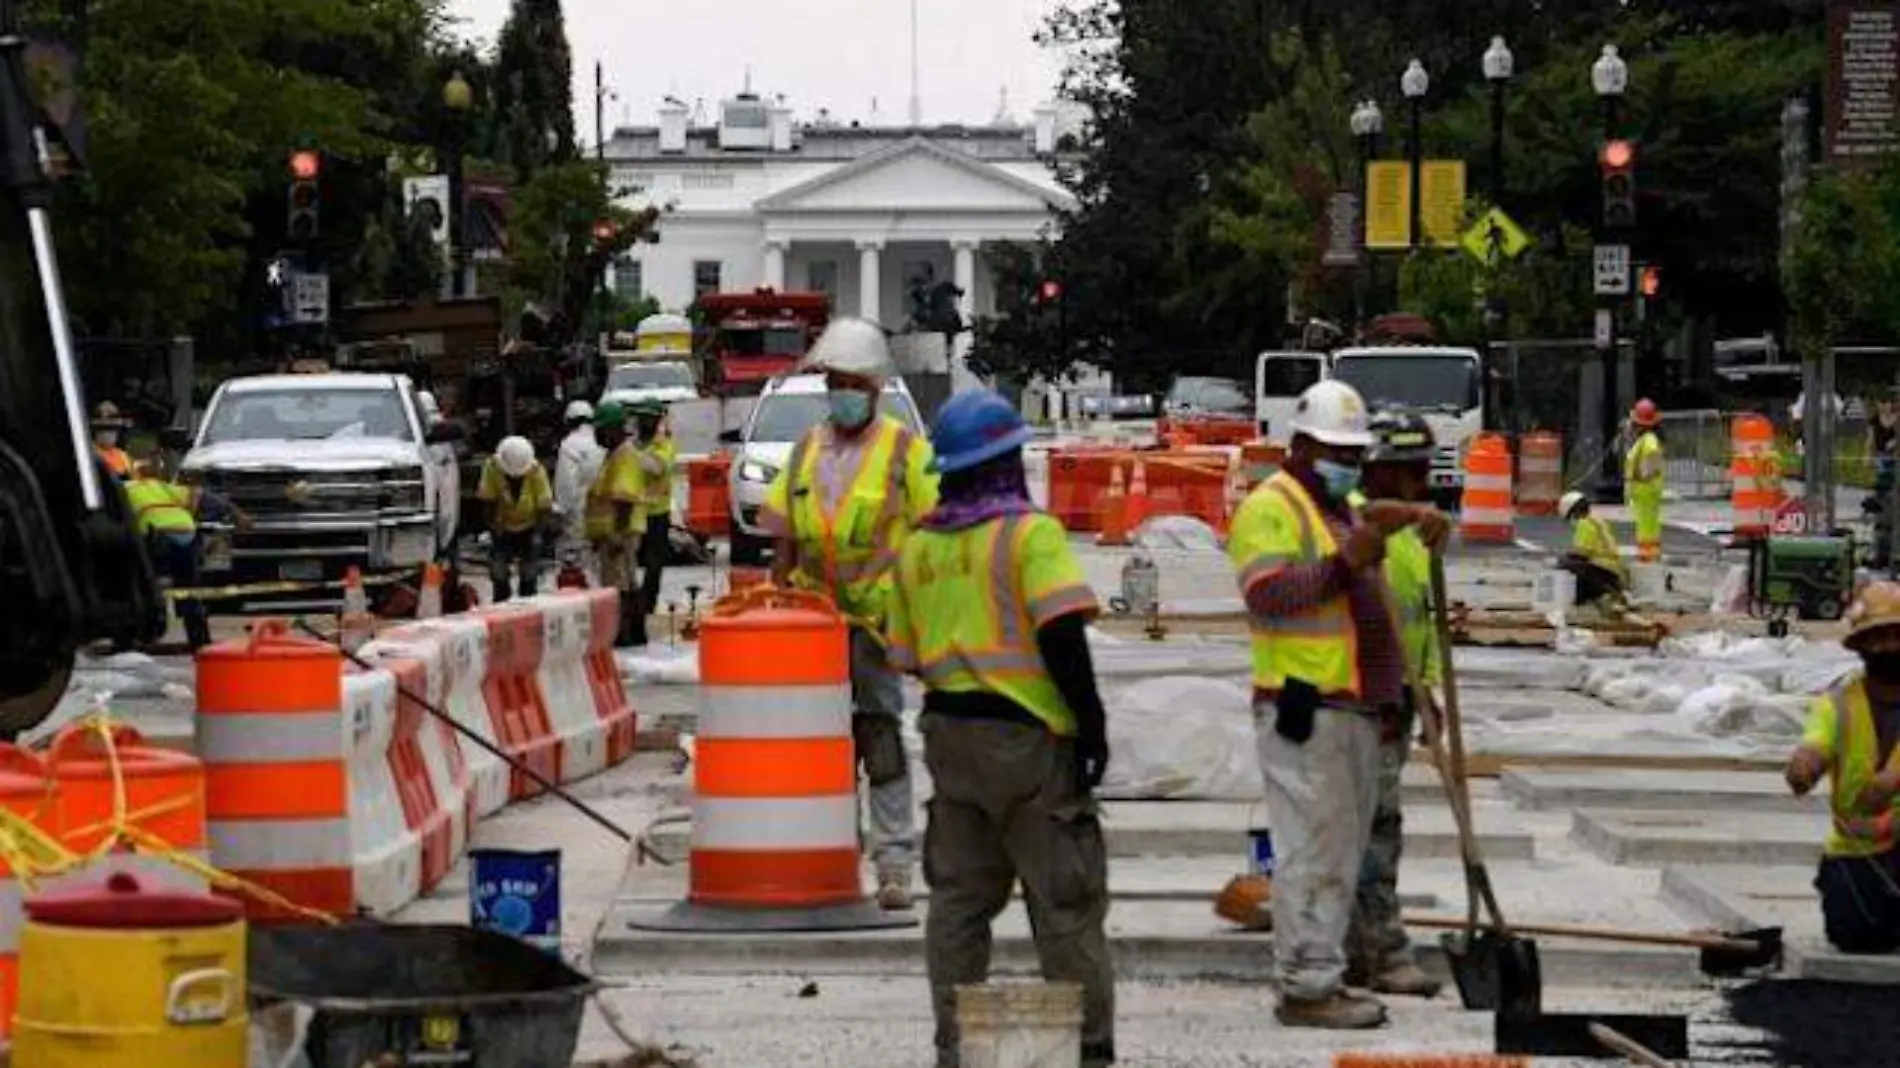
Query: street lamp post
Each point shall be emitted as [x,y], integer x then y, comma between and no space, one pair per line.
[1609,76]
[1415,83]
[458,97]
[1367,123]
[1498,67]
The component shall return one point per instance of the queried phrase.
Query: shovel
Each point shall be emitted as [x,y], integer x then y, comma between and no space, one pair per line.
[1496,971]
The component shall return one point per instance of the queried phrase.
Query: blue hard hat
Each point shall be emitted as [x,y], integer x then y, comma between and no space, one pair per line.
[973,427]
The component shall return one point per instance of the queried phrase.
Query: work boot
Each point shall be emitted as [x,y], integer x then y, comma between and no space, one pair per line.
[1340,1012]
[1405,979]
[893,891]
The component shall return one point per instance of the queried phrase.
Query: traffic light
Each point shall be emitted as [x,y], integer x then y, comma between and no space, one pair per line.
[1651,284]
[306,171]
[1618,160]
[1050,292]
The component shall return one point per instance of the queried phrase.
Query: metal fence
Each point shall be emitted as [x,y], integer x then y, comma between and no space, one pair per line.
[1698,452]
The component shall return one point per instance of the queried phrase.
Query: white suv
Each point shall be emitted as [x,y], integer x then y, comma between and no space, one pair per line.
[789,406]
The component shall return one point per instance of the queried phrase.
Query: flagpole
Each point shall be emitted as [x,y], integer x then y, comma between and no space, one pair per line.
[916,100]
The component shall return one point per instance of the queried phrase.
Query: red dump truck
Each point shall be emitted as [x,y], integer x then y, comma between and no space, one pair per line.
[751,337]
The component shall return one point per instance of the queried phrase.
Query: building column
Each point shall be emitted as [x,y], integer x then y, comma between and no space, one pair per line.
[870,279]
[960,376]
[775,265]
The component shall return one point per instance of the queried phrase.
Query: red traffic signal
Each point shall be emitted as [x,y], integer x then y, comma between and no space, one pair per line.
[1051,291]
[305,165]
[1617,155]
[1651,283]
[604,232]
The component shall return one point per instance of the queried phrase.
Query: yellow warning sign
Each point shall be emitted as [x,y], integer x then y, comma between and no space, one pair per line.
[1495,237]
[1389,203]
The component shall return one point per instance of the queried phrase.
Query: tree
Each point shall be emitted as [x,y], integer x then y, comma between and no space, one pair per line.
[533,89]
[564,229]
[1024,337]
[1844,275]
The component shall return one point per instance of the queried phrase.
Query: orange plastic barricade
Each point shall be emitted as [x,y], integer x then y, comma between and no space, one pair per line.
[1756,477]
[1079,480]
[516,705]
[1125,507]
[24,790]
[603,676]
[708,502]
[1540,474]
[1190,484]
[277,748]
[775,807]
[458,646]
[1485,515]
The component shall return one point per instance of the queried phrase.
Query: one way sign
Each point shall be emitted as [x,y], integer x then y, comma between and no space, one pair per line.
[310,298]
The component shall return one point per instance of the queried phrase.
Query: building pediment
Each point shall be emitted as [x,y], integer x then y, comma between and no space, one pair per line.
[915,175]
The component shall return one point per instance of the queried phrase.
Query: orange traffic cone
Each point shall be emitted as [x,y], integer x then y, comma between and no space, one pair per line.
[429,604]
[356,625]
[1137,506]
[1114,511]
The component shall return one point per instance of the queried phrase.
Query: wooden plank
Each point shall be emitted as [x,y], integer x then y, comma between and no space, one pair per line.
[1492,765]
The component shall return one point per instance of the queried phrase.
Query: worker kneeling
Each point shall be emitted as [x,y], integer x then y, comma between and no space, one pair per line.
[1398,468]
[1850,739]
[1594,557]
[991,610]
[1328,667]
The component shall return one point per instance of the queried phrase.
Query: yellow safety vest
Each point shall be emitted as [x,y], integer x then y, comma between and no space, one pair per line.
[161,507]
[967,604]
[1597,543]
[516,512]
[1408,574]
[1840,730]
[659,484]
[1278,525]
[1643,465]
[851,552]
[619,482]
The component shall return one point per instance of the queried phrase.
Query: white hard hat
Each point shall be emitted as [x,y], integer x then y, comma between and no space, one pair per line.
[852,346]
[514,456]
[1333,413]
[1568,503]
[580,409]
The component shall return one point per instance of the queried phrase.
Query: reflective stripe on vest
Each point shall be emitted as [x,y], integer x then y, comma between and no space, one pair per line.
[1322,646]
[822,562]
[156,507]
[1005,658]
[1874,832]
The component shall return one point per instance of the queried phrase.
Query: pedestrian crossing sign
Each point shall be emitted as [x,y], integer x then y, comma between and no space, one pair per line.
[1495,237]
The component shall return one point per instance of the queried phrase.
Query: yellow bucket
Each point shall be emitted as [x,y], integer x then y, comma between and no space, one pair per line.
[118,976]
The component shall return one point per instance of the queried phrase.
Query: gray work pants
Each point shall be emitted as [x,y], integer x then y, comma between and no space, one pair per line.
[1008,807]
[1321,795]
[1378,940]
[877,689]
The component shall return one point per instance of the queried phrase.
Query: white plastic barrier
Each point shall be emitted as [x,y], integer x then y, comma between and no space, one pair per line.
[566,630]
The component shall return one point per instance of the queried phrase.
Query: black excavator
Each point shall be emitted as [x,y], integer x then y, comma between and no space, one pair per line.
[72,567]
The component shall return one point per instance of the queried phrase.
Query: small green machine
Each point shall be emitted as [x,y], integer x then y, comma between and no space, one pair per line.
[1810,577]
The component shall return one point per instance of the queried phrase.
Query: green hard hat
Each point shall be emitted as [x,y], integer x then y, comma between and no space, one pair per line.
[610,415]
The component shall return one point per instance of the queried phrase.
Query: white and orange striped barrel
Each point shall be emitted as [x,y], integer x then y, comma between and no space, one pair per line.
[1755,495]
[1540,473]
[775,810]
[24,787]
[1486,513]
[275,741]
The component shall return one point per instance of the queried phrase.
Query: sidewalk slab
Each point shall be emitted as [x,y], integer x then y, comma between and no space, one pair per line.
[1678,837]
[1194,828]
[1544,789]
[1742,898]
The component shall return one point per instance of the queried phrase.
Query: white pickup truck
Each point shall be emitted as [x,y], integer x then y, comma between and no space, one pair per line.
[1444,385]
[334,470]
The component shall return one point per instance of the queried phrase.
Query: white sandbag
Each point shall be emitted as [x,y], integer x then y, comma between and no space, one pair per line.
[1731,593]
[654,666]
[1179,737]
[1177,532]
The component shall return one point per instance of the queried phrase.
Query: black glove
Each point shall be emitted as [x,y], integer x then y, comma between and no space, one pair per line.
[1091,760]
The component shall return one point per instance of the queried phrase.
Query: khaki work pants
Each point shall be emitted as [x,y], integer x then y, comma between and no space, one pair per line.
[1007,808]
[1321,795]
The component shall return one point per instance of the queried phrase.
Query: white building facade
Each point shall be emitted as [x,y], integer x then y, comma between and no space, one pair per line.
[859,213]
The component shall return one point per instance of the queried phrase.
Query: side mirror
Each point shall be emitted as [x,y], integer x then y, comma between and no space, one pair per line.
[445,432]
[732,437]
[175,439]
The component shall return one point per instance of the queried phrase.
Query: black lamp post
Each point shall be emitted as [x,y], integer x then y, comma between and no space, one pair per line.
[458,97]
[1610,77]
[1498,67]
[1415,83]
[1367,123]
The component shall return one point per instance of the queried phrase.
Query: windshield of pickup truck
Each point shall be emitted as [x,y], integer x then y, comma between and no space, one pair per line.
[784,417]
[1424,382]
[649,376]
[307,415]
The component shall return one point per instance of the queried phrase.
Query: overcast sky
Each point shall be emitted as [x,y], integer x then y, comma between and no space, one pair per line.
[819,53]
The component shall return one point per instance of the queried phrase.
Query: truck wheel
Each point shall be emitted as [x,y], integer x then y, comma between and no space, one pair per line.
[747,551]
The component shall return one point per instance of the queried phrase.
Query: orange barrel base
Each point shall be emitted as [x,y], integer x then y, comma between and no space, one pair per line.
[775,806]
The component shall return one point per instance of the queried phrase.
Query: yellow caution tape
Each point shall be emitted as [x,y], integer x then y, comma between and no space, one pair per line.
[258,589]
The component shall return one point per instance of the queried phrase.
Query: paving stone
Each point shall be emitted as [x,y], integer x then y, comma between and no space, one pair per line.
[1660,838]
[1567,788]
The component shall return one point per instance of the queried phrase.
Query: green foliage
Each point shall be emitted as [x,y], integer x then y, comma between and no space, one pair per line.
[1844,275]
[556,257]
[1024,338]
[533,94]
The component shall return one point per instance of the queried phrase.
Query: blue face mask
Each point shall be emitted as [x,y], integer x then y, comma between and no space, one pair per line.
[1339,479]
[850,408]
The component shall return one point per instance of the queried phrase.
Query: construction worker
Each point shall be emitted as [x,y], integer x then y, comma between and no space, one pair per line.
[1015,737]
[515,487]
[165,514]
[616,517]
[108,430]
[1328,664]
[855,487]
[575,467]
[1643,470]
[1850,739]
[1398,467]
[658,461]
[1594,557]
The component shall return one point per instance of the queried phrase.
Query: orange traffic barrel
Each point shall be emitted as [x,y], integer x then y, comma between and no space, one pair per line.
[1486,513]
[775,807]
[1540,473]
[111,788]
[25,791]
[1755,477]
[708,503]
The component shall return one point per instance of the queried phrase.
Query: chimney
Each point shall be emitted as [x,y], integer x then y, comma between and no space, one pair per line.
[781,127]
[673,126]
[1045,131]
